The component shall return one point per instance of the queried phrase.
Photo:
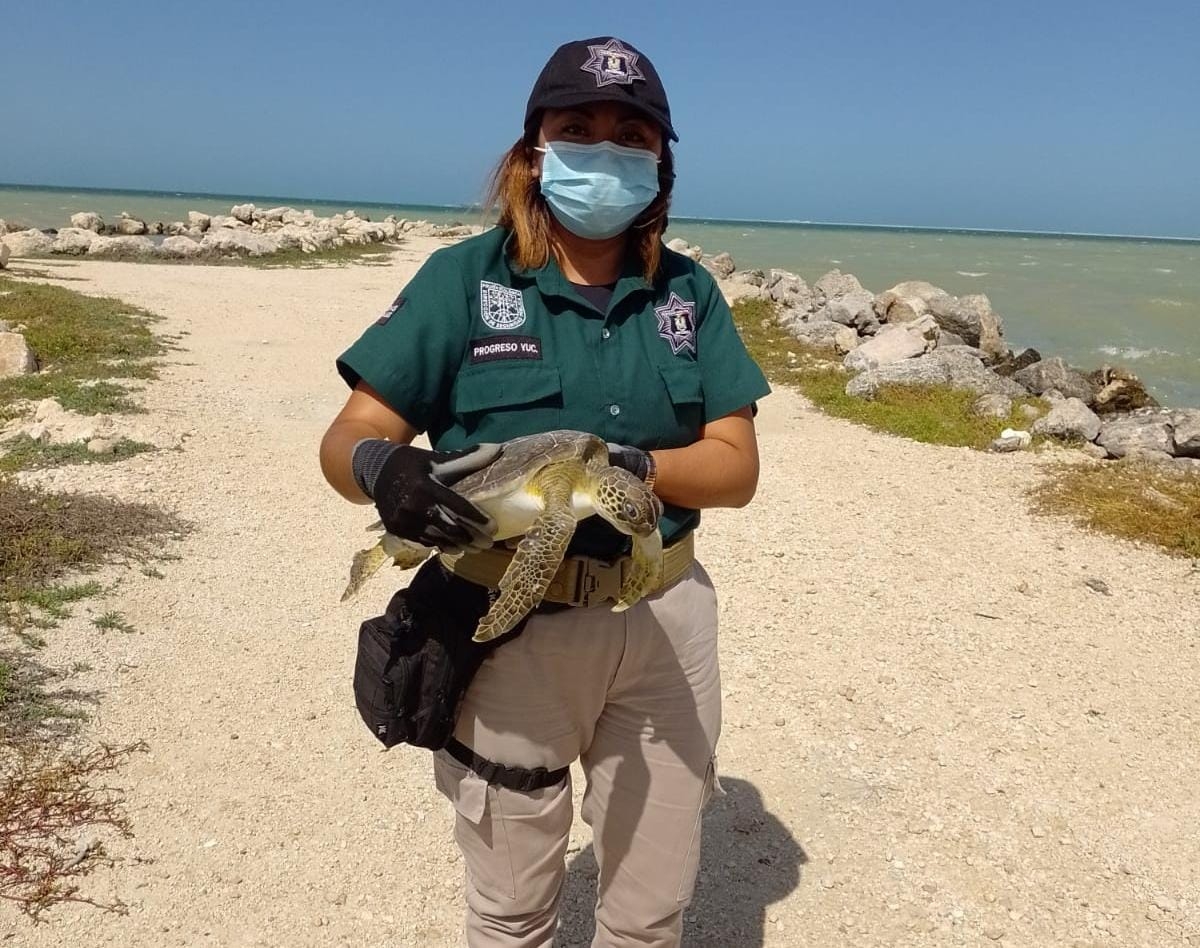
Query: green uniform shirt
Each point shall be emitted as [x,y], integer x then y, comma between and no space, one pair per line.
[476,349]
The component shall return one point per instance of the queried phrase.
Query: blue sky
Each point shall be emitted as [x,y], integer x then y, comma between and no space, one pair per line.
[1051,115]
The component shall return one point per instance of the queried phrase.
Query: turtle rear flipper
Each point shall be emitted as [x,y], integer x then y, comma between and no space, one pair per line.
[367,563]
[645,570]
[537,558]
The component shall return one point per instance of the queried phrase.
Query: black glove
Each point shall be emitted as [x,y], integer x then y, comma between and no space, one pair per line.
[412,493]
[636,461]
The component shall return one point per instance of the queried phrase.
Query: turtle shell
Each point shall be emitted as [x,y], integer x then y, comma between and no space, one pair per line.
[523,457]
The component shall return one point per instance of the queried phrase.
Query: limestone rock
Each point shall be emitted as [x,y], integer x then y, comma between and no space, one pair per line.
[906,301]
[822,333]
[1011,440]
[845,339]
[855,308]
[992,406]
[227,240]
[101,445]
[198,221]
[790,291]
[73,240]
[1186,422]
[720,266]
[28,243]
[4,252]
[87,220]
[1146,430]
[971,318]
[274,214]
[1119,390]
[935,368]
[125,247]
[243,213]
[1014,362]
[1071,420]
[835,284]
[180,248]
[16,358]
[130,226]
[1055,374]
[222,220]
[3,227]
[892,344]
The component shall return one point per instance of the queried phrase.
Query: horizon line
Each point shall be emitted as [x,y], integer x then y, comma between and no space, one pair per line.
[699,219]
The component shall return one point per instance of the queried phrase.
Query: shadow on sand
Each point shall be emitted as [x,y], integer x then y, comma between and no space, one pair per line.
[749,860]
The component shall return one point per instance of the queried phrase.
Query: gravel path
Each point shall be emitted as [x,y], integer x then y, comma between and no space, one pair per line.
[935,732]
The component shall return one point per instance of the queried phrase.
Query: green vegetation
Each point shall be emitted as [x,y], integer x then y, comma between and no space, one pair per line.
[1135,501]
[111,621]
[83,342]
[932,414]
[370,255]
[23,453]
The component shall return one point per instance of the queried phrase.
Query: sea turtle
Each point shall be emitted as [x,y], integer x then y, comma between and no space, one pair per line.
[538,489]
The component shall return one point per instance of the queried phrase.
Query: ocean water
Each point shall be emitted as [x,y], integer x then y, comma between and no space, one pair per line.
[1092,300]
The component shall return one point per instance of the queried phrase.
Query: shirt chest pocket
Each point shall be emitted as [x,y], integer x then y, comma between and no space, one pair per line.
[498,402]
[685,395]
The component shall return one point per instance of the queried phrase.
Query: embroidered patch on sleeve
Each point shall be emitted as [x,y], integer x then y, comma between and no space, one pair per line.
[613,64]
[397,305]
[495,348]
[677,323]
[500,307]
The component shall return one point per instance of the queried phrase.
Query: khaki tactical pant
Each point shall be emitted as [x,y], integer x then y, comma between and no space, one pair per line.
[636,696]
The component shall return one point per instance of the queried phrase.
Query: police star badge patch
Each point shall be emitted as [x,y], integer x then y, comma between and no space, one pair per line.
[613,64]
[677,323]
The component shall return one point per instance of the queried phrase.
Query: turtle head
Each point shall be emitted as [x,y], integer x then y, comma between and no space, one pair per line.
[626,502]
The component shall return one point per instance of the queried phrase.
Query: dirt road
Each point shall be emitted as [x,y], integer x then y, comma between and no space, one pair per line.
[935,732]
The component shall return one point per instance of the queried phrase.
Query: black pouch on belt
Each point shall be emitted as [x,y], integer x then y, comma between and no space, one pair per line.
[416,660]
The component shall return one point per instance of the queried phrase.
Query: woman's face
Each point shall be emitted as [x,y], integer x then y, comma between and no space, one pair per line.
[595,122]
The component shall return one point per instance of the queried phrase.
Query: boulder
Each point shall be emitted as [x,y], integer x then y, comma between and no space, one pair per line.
[1011,440]
[906,301]
[176,228]
[720,266]
[1070,420]
[3,227]
[972,319]
[274,214]
[198,221]
[1014,362]
[227,240]
[88,220]
[4,252]
[855,308]
[750,278]
[73,240]
[992,406]
[1146,430]
[835,284]
[102,445]
[845,339]
[243,213]
[180,248]
[28,243]
[126,247]
[1186,422]
[938,367]
[16,358]
[221,220]
[128,226]
[822,333]
[790,291]
[892,344]
[1049,374]
[1119,390]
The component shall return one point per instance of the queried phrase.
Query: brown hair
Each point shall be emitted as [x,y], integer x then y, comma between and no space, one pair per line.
[515,191]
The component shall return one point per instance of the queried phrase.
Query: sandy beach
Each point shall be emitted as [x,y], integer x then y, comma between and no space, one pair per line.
[935,732]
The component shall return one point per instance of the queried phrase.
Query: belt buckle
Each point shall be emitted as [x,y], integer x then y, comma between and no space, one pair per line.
[597,581]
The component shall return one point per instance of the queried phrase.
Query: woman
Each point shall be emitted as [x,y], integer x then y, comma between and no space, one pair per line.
[570,314]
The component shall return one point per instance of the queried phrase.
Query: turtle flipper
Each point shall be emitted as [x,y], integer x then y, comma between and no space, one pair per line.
[645,570]
[366,563]
[537,557]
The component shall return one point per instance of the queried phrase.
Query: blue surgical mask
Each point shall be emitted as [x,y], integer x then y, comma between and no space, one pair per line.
[596,191]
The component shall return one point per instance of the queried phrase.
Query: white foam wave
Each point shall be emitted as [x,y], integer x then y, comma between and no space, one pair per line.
[1132,352]
[1163,270]
[1027,263]
[971,273]
[1162,301]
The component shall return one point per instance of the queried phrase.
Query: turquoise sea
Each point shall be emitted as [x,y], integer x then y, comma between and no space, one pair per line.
[1133,301]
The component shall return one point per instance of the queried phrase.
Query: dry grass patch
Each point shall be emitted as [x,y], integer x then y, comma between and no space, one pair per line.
[1133,500]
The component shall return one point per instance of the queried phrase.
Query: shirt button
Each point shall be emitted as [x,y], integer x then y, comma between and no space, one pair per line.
[604,333]
[614,409]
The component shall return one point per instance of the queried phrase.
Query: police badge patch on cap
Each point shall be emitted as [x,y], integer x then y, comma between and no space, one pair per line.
[677,323]
[613,64]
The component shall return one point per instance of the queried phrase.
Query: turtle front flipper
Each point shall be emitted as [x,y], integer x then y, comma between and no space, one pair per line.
[366,563]
[645,569]
[537,557]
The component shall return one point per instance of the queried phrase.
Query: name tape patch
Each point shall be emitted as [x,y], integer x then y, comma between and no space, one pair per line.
[496,348]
